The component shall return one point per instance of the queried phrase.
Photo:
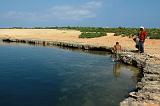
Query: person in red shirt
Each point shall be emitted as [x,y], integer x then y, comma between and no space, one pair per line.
[142,36]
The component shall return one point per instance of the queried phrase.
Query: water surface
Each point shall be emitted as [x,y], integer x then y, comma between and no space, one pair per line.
[44,76]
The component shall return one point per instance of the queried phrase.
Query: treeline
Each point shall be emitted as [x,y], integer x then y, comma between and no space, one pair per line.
[37,28]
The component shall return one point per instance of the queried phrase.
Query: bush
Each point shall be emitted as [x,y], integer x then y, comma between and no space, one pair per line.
[154,35]
[92,34]
[89,32]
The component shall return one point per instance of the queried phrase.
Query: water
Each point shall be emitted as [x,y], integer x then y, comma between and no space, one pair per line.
[44,76]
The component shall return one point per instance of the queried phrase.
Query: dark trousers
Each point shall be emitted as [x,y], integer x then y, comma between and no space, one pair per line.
[141,46]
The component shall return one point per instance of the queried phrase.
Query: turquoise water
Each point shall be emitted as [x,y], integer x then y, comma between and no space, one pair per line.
[44,76]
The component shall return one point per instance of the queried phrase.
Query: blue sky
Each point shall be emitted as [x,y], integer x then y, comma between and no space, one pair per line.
[98,13]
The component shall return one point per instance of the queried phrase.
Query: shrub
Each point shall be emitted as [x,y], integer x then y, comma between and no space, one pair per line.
[154,35]
[92,34]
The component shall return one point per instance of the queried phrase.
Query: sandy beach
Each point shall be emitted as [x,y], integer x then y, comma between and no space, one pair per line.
[151,46]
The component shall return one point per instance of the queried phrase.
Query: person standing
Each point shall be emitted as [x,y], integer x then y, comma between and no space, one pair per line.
[142,36]
[136,39]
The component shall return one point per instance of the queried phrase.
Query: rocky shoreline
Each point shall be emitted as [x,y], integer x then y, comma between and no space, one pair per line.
[148,89]
[60,44]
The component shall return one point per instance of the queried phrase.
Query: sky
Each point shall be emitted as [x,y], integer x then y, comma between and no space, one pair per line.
[93,13]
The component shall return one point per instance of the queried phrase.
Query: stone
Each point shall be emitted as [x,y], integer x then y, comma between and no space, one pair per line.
[148,89]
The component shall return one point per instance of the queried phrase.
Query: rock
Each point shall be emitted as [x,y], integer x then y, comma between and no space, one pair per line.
[148,89]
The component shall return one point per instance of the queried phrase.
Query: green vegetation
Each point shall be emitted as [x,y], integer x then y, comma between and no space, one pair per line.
[91,32]
[152,33]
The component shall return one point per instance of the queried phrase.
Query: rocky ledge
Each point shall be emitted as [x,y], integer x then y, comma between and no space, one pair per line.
[148,89]
[77,45]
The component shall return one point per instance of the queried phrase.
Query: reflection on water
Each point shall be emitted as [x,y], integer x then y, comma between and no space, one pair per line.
[116,69]
[42,76]
[60,47]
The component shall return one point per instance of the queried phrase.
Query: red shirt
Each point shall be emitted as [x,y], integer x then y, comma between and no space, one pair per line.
[142,35]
